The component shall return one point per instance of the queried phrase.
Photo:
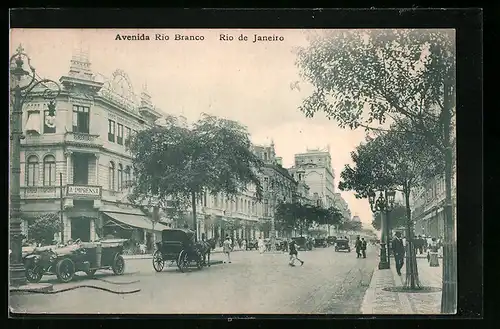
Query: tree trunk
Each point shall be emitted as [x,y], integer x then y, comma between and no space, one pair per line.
[193,205]
[411,257]
[449,291]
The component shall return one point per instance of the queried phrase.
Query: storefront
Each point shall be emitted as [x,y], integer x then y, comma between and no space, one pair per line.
[129,223]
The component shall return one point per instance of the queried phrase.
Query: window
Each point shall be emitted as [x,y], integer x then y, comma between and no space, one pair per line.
[111,131]
[111,176]
[128,180]
[205,199]
[49,170]
[49,124]
[119,138]
[128,134]
[120,177]
[81,118]
[32,171]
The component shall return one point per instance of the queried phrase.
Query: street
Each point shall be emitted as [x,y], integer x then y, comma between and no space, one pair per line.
[329,282]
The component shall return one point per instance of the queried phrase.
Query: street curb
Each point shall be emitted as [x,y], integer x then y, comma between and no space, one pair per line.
[369,298]
[28,288]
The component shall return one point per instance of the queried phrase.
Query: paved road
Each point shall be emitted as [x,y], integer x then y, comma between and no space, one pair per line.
[329,282]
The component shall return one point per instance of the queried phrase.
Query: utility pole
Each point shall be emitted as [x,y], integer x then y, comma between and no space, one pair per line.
[61,201]
[449,291]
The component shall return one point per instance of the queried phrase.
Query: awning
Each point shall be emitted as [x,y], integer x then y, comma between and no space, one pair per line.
[135,221]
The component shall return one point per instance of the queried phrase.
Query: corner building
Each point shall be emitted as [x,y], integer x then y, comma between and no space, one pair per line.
[85,143]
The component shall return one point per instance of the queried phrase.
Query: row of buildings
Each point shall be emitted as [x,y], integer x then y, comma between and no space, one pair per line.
[77,161]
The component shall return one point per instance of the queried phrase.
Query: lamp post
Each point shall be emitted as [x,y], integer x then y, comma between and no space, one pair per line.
[20,93]
[383,204]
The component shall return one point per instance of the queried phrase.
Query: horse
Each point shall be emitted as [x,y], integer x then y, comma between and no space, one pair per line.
[205,247]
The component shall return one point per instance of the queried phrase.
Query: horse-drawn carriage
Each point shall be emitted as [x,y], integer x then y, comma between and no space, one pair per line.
[179,246]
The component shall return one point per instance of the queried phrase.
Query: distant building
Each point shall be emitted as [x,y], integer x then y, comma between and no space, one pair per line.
[316,171]
[342,205]
[428,207]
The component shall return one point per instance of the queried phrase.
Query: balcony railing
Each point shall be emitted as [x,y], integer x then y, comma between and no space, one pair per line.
[82,138]
[39,192]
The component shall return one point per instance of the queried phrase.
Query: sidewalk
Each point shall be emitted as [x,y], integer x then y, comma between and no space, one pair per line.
[378,301]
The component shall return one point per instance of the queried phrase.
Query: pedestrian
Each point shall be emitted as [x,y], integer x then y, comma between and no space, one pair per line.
[357,245]
[420,244]
[261,245]
[294,254]
[398,250]
[227,248]
[244,244]
[363,247]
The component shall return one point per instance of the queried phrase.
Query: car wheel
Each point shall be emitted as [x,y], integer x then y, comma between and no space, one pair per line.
[118,265]
[33,273]
[65,270]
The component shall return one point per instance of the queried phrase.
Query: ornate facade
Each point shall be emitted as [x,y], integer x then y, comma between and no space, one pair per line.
[79,157]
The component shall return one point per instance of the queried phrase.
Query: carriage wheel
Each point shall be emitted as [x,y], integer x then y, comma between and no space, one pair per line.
[158,262]
[182,261]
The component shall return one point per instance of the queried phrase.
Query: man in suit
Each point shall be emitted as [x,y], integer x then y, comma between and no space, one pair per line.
[398,249]
[363,247]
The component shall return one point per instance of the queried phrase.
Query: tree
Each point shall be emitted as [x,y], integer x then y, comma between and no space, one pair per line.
[43,228]
[179,162]
[364,76]
[393,160]
[350,225]
[398,217]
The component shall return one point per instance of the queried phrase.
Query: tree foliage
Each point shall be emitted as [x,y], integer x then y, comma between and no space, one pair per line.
[397,215]
[296,216]
[364,77]
[351,225]
[179,162]
[393,160]
[43,228]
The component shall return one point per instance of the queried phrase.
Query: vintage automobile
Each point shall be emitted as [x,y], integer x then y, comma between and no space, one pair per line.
[342,245]
[331,240]
[320,243]
[65,261]
[302,243]
[252,244]
[177,245]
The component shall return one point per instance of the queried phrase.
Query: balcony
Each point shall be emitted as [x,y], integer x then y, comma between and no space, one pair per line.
[40,192]
[83,192]
[82,139]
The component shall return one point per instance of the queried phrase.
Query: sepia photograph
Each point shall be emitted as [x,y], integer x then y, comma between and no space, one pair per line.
[232,171]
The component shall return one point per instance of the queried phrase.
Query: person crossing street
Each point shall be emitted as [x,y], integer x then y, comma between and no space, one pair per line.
[294,254]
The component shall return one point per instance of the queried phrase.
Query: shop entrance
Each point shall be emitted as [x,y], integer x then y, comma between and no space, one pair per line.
[80,228]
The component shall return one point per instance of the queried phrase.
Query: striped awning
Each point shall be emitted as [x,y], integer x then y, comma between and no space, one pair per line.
[135,221]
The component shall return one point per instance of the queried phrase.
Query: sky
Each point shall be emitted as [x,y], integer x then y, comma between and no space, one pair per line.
[241,80]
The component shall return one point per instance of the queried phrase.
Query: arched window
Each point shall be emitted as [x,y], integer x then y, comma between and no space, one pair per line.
[32,171]
[111,176]
[120,177]
[49,170]
[128,178]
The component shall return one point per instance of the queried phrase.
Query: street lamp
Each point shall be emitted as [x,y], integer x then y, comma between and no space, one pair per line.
[20,93]
[383,204]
